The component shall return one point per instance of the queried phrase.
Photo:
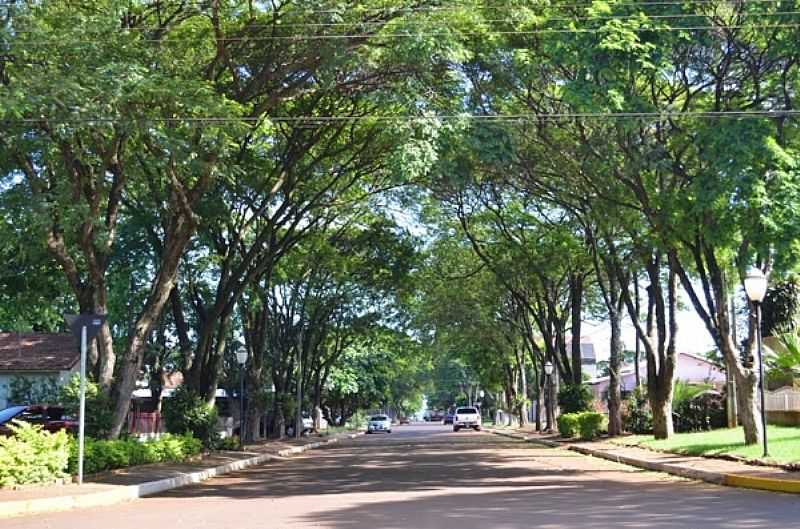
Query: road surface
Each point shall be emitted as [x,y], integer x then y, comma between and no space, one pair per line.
[426,476]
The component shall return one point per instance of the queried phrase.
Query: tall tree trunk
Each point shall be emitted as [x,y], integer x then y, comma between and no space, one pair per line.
[614,396]
[637,354]
[576,293]
[181,226]
[523,387]
[717,318]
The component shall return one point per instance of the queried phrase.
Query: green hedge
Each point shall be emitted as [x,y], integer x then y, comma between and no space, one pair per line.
[186,411]
[32,455]
[101,455]
[589,424]
[568,424]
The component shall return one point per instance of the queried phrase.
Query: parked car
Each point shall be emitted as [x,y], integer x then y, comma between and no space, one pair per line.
[448,418]
[50,418]
[467,417]
[379,423]
[404,420]
[308,426]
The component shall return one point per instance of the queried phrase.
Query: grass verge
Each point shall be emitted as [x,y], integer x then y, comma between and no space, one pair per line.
[783,442]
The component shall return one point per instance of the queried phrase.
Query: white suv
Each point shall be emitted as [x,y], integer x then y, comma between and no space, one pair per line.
[467,417]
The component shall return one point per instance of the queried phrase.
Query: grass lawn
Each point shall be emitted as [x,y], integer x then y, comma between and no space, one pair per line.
[783,443]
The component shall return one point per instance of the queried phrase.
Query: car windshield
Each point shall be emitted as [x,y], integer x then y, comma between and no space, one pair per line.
[379,418]
[9,413]
[466,410]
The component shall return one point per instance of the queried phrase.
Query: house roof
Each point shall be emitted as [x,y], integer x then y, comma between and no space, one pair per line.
[38,352]
[628,369]
[588,354]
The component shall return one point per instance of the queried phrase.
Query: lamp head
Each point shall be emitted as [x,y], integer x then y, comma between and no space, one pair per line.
[548,368]
[755,284]
[241,356]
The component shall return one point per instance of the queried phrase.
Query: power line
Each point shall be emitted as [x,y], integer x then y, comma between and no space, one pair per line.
[354,36]
[459,7]
[379,24]
[728,114]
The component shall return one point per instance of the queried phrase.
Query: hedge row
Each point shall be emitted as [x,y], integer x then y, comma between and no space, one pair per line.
[587,424]
[33,455]
[101,455]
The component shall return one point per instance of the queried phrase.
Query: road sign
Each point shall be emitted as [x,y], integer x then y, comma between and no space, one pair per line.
[85,326]
[92,322]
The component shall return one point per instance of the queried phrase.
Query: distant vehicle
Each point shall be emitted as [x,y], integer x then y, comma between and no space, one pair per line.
[435,416]
[379,423]
[405,420]
[308,425]
[50,418]
[448,418]
[467,417]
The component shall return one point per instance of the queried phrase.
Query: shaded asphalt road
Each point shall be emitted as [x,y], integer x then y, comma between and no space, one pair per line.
[425,476]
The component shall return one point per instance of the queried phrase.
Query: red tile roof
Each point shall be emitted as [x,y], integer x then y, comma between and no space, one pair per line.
[38,351]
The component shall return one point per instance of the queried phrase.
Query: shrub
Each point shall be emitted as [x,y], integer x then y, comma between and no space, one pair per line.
[186,411]
[98,406]
[636,414]
[357,421]
[589,424]
[32,455]
[102,455]
[568,424]
[575,398]
[229,443]
[697,407]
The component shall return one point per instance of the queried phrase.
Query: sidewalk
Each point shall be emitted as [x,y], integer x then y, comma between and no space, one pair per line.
[718,471]
[131,483]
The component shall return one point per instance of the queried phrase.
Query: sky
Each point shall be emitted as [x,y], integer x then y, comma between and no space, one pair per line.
[693,337]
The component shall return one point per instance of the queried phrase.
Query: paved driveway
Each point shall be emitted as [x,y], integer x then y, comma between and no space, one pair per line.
[425,476]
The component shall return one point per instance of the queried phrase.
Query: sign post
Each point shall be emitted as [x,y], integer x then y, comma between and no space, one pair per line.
[85,326]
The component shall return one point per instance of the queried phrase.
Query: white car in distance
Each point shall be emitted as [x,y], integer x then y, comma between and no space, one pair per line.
[467,417]
[379,423]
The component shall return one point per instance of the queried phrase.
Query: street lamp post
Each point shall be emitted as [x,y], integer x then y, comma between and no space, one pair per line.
[548,370]
[755,284]
[241,358]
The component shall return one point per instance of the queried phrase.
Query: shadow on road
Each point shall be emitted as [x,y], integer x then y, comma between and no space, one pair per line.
[475,480]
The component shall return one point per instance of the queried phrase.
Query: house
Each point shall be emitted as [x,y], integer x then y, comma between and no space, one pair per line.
[688,368]
[33,366]
[588,356]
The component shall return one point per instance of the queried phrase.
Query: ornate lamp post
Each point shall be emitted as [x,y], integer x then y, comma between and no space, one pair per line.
[755,284]
[241,358]
[548,370]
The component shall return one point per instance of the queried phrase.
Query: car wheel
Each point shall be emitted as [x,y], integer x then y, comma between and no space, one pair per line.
[477,428]
[368,432]
[388,431]
[456,428]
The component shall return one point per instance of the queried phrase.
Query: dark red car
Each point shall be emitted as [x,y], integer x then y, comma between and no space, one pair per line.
[50,418]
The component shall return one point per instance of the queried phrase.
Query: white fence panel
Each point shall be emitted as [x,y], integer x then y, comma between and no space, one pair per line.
[783,400]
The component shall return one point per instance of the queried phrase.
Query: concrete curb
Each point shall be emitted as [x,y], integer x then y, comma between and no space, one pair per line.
[124,493]
[717,478]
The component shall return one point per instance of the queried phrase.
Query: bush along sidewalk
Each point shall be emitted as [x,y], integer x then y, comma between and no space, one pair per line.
[102,455]
[587,424]
[34,456]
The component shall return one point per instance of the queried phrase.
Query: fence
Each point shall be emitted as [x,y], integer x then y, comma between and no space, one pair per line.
[144,424]
[785,399]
